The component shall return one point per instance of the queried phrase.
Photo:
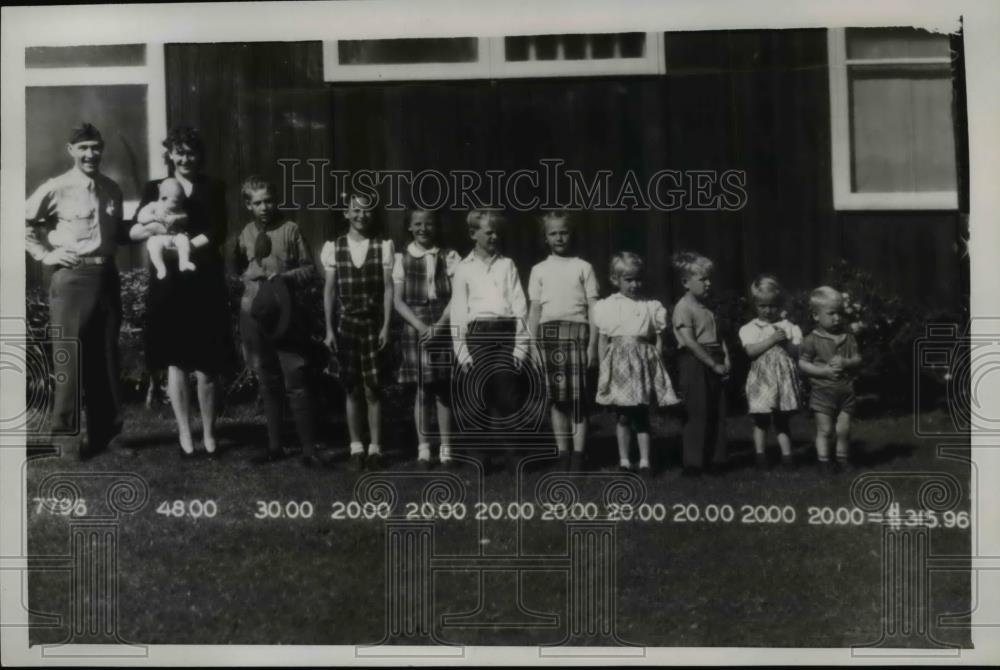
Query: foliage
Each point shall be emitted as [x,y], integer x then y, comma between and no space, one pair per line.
[887,329]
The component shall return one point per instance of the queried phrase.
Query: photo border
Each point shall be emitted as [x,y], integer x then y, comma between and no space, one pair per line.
[289,21]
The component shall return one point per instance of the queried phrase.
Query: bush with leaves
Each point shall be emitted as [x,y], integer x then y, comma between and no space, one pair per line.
[886,327]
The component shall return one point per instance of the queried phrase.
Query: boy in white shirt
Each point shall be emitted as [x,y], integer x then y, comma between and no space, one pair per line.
[488,313]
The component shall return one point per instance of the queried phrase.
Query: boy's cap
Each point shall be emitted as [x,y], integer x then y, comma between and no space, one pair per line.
[85,132]
[272,308]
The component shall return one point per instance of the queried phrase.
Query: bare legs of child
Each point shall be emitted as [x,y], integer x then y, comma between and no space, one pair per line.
[569,432]
[633,419]
[826,428]
[761,422]
[357,401]
[156,244]
[422,407]
[183,246]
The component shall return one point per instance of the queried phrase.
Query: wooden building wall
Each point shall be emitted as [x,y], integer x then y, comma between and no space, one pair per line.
[756,101]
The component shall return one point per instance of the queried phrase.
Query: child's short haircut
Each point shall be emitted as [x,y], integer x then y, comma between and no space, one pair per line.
[255,183]
[823,296]
[765,286]
[624,261]
[687,263]
[410,211]
[476,218]
[557,215]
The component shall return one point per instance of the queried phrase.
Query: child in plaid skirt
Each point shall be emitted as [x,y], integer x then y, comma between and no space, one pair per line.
[358,288]
[562,290]
[422,291]
[632,377]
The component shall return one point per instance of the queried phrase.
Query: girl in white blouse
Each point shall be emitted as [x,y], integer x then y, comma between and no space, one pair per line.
[772,388]
[632,377]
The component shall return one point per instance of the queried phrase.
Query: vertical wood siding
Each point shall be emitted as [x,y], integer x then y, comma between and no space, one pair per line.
[756,101]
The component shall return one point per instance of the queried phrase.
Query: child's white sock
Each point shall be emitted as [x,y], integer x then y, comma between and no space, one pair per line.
[625,463]
[445,452]
[423,451]
[374,449]
[643,463]
[357,448]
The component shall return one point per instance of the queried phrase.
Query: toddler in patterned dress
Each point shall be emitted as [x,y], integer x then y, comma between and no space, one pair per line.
[772,386]
[632,377]
[562,290]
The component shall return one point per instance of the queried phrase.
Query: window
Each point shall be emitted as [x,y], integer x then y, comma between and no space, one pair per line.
[119,88]
[565,55]
[893,134]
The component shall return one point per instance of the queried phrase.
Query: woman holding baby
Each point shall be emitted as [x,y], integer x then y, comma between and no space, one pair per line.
[183,220]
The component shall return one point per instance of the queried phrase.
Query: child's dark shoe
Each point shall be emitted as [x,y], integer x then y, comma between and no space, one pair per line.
[645,472]
[760,461]
[423,464]
[564,462]
[576,462]
[832,467]
[787,463]
[691,472]
[357,462]
[375,462]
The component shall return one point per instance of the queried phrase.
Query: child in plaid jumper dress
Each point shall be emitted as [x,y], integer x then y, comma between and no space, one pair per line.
[422,278]
[562,290]
[359,288]
[632,377]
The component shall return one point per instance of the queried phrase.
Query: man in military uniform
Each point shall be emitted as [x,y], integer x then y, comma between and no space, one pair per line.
[74,225]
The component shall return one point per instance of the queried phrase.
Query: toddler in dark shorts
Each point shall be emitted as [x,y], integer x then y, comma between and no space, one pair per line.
[829,358]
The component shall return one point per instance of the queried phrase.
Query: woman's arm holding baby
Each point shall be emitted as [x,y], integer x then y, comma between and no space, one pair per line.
[147,223]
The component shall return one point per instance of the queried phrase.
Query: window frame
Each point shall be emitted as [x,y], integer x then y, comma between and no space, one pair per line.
[844,198]
[492,64]
[152,75]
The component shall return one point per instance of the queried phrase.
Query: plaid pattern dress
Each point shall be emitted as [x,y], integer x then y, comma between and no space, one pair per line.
[360,293]
[563,347]
[426,363]
[632,375]
[631,371]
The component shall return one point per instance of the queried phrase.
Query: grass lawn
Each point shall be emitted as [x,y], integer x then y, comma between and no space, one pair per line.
[237,579]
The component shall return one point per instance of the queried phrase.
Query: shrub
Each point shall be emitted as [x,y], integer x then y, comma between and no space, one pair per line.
[886,328]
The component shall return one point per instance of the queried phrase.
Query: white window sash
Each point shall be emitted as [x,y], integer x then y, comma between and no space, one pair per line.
[492,64]
[840,139]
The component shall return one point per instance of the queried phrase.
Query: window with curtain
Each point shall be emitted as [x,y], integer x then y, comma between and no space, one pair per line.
[892,121]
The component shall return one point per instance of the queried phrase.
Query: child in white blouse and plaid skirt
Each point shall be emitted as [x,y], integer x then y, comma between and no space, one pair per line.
[632,377]
[422,292]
